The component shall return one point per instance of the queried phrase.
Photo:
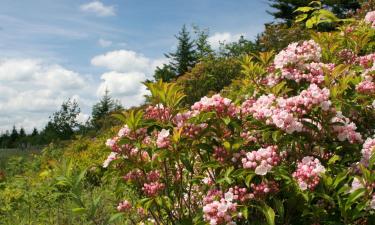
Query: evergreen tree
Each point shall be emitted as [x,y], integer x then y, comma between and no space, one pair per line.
[103,108]
[165,73]
[203,48]
[35,132]
[284,9]
[185,56]
[22,133]
[13,137]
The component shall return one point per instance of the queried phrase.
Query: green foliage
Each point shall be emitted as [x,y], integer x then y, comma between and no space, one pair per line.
[284,9]
[101,111]
[185,56]
[210,75]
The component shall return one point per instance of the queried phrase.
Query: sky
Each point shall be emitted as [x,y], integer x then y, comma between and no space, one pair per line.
[54,50]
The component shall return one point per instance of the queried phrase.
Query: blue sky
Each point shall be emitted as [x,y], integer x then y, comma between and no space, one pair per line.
[54,50]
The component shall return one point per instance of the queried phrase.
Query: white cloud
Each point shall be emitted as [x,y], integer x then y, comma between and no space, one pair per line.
[104,43]
[122,61]
[126,87]
[225,37]
[127,71]
[98,8]
[31,90]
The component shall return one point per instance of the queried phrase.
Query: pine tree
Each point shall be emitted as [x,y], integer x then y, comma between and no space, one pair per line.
[22,133]
[35,132]
[103,108]
[203,48]
[284,9]
[13,137]
[185,56]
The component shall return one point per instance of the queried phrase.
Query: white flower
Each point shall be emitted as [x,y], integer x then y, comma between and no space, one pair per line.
[222,208]
[302,185]
[163,133]
[356,184]
[109,159]
[228,196]
[261,170]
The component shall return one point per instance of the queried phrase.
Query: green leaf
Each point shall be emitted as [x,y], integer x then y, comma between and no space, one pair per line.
[268,213]
[354,196]
[115,217]
[304,9]
[301,18]
[227,145]
[79,210]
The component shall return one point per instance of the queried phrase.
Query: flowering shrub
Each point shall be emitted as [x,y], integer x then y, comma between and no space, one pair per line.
[288,151]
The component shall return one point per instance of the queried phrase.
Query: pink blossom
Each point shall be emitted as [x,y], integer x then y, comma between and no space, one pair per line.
[158,112]
[347,130]
[133,175]
[163,139]
[219,212]
[366,87]
[220,154]
[153,188]
[124,132]
[298,52]
[370,18]
[124,206]
[308,173]
[262,160]
[222,106]
[368,149]
[263,189]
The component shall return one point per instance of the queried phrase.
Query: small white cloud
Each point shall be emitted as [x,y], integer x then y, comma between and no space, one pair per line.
[225,37]
[104,43]
[98,8]
[82,118]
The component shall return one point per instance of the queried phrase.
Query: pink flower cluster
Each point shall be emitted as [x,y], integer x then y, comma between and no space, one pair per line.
[163,139]
[284,113]
[152,189]
[220,154]
[368,149]
[366,61]
[222,106]
[366,87]
[312,72]
[370,18]
[133,175]
[347,56]
[188,129]
[158,112]
[347,130]
[263,189]
[308,172]
[306,100]
[262,160]
[297,53]
[220,211]
[124,206]
[124,132]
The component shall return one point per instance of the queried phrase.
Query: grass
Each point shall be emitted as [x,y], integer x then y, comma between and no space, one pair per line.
[6,154]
